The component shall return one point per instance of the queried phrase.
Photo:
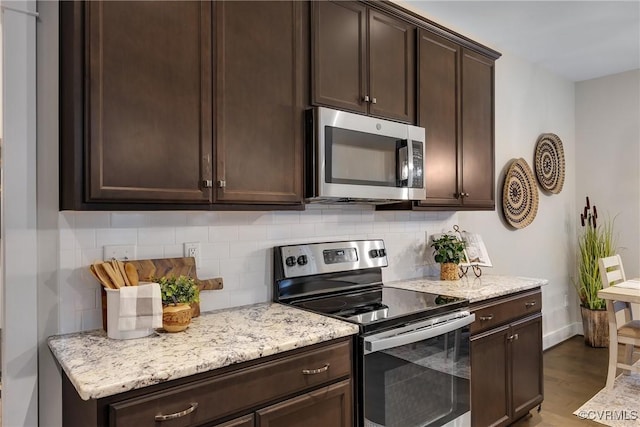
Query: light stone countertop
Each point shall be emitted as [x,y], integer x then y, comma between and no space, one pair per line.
[475,289]
[98,366]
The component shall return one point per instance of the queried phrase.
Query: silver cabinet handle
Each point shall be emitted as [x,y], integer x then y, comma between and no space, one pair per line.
[325,368]
[530,304]
[374,101]
[489,317]
[207,183]
[190,409]
[366,98]
[513,337]
[221,183]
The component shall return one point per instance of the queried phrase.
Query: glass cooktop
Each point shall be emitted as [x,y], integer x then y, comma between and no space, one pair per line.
[382,304]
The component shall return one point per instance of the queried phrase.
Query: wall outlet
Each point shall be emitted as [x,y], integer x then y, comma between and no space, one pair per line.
[119,252]
[192,250]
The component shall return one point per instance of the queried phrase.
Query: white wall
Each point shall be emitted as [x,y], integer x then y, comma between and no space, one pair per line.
[608,156]
[20,358]
[530,101]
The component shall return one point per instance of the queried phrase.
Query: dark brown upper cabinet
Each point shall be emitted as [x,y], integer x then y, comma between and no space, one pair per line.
[261,78]
[456,108]
[363,60]
[136,115]
[183,104]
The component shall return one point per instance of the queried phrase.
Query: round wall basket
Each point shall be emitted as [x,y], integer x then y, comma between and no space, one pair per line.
[519,195]
[550,162]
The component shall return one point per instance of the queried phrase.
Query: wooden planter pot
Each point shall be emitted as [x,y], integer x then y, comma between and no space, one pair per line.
[595,325]
[449,271]
[176,318]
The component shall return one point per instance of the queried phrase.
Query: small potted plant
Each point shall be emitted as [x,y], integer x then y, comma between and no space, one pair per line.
[177,293]
[449,252]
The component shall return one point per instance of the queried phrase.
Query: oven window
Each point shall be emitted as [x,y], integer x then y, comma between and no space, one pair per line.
[359,158]
[425,383]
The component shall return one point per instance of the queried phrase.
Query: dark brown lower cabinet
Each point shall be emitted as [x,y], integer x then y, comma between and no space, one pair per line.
[307,387]
[506,360]
[329,406]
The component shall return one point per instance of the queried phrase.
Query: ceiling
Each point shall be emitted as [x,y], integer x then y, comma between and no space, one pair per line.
[579,40]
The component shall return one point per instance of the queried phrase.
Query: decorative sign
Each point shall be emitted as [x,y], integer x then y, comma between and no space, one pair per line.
[550,163]
[519,195]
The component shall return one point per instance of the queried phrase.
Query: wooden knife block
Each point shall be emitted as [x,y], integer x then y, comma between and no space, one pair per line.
[169,267]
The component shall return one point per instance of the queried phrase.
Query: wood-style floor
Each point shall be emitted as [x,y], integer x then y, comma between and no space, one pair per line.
[573,373]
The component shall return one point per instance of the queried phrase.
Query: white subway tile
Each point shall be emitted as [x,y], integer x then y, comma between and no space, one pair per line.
[286,217]
[85,257]
[311,216]
[254,280]
[92,220]
[149,252]
[192,234]
[67,239]
[368,216]
[156,236]
[208,268]
[380,227]
[129,219]
[201,218]
[214,300]
[252,232]
[222,233]
[116,236]
[403,215]
[173,251]
[86,299]
[364,227]
[85,238]
[301,231]
[331,215]
[230,218]
[257,218]
[167,219]
[242,249]
[248,296]
[91,319]
[384,216]
[67,260]
[217,250]
[233,266]
[66,220]
[277,232]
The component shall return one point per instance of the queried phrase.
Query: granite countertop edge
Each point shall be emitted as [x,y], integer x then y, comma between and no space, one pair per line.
[98,366]
[475,289]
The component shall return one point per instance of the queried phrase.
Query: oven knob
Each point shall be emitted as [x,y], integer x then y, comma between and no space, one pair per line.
[290,261]
[382,252]
[302,260]
[373,253]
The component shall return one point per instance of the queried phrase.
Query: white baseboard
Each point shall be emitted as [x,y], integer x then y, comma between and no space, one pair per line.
[562,334]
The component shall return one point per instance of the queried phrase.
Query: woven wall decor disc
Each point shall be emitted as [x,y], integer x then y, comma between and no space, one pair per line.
[550,162]
[520,195]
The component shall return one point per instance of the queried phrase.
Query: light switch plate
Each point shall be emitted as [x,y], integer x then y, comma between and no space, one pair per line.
[119,252]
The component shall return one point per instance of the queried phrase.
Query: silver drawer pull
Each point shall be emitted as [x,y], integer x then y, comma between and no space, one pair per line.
[325,368]
[193,407]
[529,304]
[489,317]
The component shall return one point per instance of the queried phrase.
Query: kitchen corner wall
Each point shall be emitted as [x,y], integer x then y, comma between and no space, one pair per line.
[236,246]
[530,101]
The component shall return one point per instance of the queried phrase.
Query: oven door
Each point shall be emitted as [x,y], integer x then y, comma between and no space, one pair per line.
[418,375]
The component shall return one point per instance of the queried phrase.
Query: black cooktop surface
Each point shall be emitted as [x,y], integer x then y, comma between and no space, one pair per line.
[383,305]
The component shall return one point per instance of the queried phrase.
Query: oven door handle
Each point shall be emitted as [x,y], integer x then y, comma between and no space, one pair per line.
[373,343]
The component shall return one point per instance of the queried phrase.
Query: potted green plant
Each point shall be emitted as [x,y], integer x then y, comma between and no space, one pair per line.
[596,241]
[177,293]
[448,252]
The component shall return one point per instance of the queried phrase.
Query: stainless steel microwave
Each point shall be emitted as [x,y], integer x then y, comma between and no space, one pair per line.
[359,159]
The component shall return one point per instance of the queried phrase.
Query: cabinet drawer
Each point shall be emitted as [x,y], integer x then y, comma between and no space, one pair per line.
[234,392]
[505,310]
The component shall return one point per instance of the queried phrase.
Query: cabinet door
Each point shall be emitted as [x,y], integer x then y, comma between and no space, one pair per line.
[438,101]
[490,389]
[259,101]
[339,54]
[391,67]
[477,131]
[148,106]
[526,367]
[328,406]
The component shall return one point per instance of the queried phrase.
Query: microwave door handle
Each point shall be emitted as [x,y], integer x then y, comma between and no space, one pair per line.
[402,160]
[373,344]
[410,171]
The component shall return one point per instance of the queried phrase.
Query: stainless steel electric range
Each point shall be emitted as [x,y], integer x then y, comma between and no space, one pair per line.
[412,362]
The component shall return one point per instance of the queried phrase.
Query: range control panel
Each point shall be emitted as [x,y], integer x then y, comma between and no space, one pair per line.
[319,258]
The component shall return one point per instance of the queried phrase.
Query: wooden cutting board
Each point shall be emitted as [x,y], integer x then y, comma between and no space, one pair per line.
[169,267]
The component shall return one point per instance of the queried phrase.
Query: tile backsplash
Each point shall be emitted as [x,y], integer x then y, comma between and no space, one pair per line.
[236,246]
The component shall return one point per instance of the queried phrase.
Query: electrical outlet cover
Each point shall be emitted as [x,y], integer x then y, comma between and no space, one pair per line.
[119,252]
[192,250]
